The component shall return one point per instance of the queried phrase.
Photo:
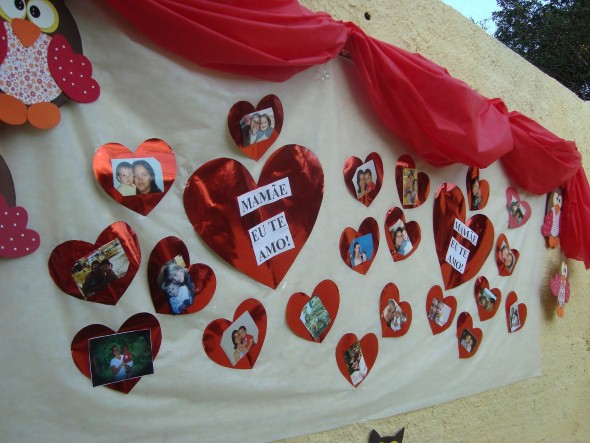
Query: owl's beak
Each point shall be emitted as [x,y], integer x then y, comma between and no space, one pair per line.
[27,32]
[556,207]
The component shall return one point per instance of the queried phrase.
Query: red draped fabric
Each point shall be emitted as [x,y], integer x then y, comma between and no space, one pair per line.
[441,118]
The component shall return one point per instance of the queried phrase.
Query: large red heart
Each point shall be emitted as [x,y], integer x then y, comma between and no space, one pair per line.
[474,185]
[327,292]
[448,221]
[356,177]
[506,258]
[239,124]
[213,335]
[519,211]
[163,263]
[6,184]
[212,205]
[15,239]
[352,240]
[515,312]
[396,317]
[407,162]
[487,300]
[395,224]
[140,321]
[70,264]
[440,316]
[468,337]
[154,154]
[369,348]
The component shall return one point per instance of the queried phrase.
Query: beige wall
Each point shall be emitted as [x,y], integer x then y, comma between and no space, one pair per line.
[556,406]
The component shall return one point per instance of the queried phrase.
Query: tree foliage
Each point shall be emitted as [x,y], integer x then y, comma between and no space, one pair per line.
[553,35]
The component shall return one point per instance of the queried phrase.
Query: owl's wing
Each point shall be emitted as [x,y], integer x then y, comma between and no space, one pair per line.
[3,41]
[72,72]
[567,292]
[555,285]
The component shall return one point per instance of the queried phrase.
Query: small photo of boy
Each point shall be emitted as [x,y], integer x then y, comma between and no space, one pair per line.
[315,317]
[239,338]
[124,177]
[410,186]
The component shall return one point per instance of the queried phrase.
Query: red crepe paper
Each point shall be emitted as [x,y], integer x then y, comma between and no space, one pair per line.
[353,177]
[369,347]
[348,239]
[388,313]
[392,224]
[515,313]
[485,314]
[464,328]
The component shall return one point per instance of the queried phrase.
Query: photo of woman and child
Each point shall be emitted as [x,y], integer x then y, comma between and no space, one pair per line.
[239,338]
[257,126]
[468,340]
[506,260]
[137,176]
[365,182]
[486,299]
[439,312]
[410,187]
[361,250]
[514,317]
[475,193]
[401,242]
[177,285]
[516,211]
[394,316]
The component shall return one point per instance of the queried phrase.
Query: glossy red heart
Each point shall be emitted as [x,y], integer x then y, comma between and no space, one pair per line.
[515,312]
[395,220]
[487,300]
[367,175]
[506,258]
[140,321]
[213,334]
[327,292]
[70,264]
[366,240]
[440,320]
[369,348]
[15,239]
[201,281]
[392,314]
[519,211]
[6,184]
[468,337]
[474,183]
[240,127]
[448,219]
[154,154]
[408,198]
[212,205]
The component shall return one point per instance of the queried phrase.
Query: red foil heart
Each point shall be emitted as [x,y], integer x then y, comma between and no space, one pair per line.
[474,186]
[202,281]
[137,322]
[519,211]
[239,129]
[64,258]
[464,329]
[354,178]
[369,346]
[328,293]
[210,201]
[506,258]
[440,321]
[407,162]
[394,221]
[161,161]
[449,206]
[6,184]
[521,310]
[350,237]
[487,306]
[390,325]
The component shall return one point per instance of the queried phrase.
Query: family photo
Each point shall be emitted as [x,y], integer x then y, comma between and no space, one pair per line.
[394,316]
[315,317]
[438,312]
[475,193]
[177,285]
[137,176]
[516,211]
[361,250]
[468,340]
[355,363]
[401,242]
[514,317]
[239,338]
[365,181]
[410,186]
[486,299]
[506,259]
[257,126]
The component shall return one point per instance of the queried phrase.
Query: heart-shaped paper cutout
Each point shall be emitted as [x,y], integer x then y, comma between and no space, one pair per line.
[15,239]
[278,213]
[358,248]
[515,312]
[364,179]
[136,180]
[255,129]
[327,292]
[176,286]
[519,211]
[356,358]
[6,184]
[402,237]
[487,300]
[478,191]
[506,258]
[406,176]
[213,335]
[99,272]
[468,337]
[440,310]
[80,346]
[454,237]
[395,315]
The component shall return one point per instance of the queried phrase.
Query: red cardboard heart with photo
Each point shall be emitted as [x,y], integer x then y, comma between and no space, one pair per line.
[169,270]
[97,272]
[406,183]
[83,359]
[403,238]
[440,310]
[515,312]
[328,294]
[396,317]
[358,248]
[478,191]
[506,258]
[136,180]
[364,179]
[356,358]
[468,337]
[519,211]
[487,300]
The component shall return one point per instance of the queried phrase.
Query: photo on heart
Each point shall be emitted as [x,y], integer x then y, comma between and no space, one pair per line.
[506,260]
[117,357]
[410,186]
[514,317]
[394,316]
[401,241]
[474,191]
[315,317]
[239,338]
[137,176]
[486,299]
[439,312]
[257,126]
[355,363]
[361,250]
[516,211]
[468,340]
[365,181]
[177,285]
[100,268]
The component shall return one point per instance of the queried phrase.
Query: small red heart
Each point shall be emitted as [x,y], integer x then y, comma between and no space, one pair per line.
[506,258]
[440,317]
[369,348]
[164,259]
[141,321]
[213,335]
[487,300]
[113,162]
[519,211]
[70,264]
[515,312]
[359,248]
[255,144]
[468,337]
[367,175]
[408,197]
[15,239]
[396,317]
[327,292]
[6,184]
[395,220]
[478,191]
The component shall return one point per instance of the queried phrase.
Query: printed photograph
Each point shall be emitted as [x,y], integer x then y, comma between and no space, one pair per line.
[239,338]
[177,285]
[475,193]
[468,340]
[506,257]
[257,126]
[516,210]
[355,363]
[315,317]
[135,176]
[514,317]
[365,179]
[399,236]
[439,312]
[361,250]
[410,186]
[394,316]
[486,299]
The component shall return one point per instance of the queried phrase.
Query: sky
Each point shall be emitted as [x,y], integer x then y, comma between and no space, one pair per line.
[478,10]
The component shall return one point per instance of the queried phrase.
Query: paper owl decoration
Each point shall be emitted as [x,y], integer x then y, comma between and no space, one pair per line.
[550,227]
[560,288]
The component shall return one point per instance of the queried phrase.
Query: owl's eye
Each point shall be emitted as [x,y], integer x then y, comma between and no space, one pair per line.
[557,200]
[43,14]
[10,9]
